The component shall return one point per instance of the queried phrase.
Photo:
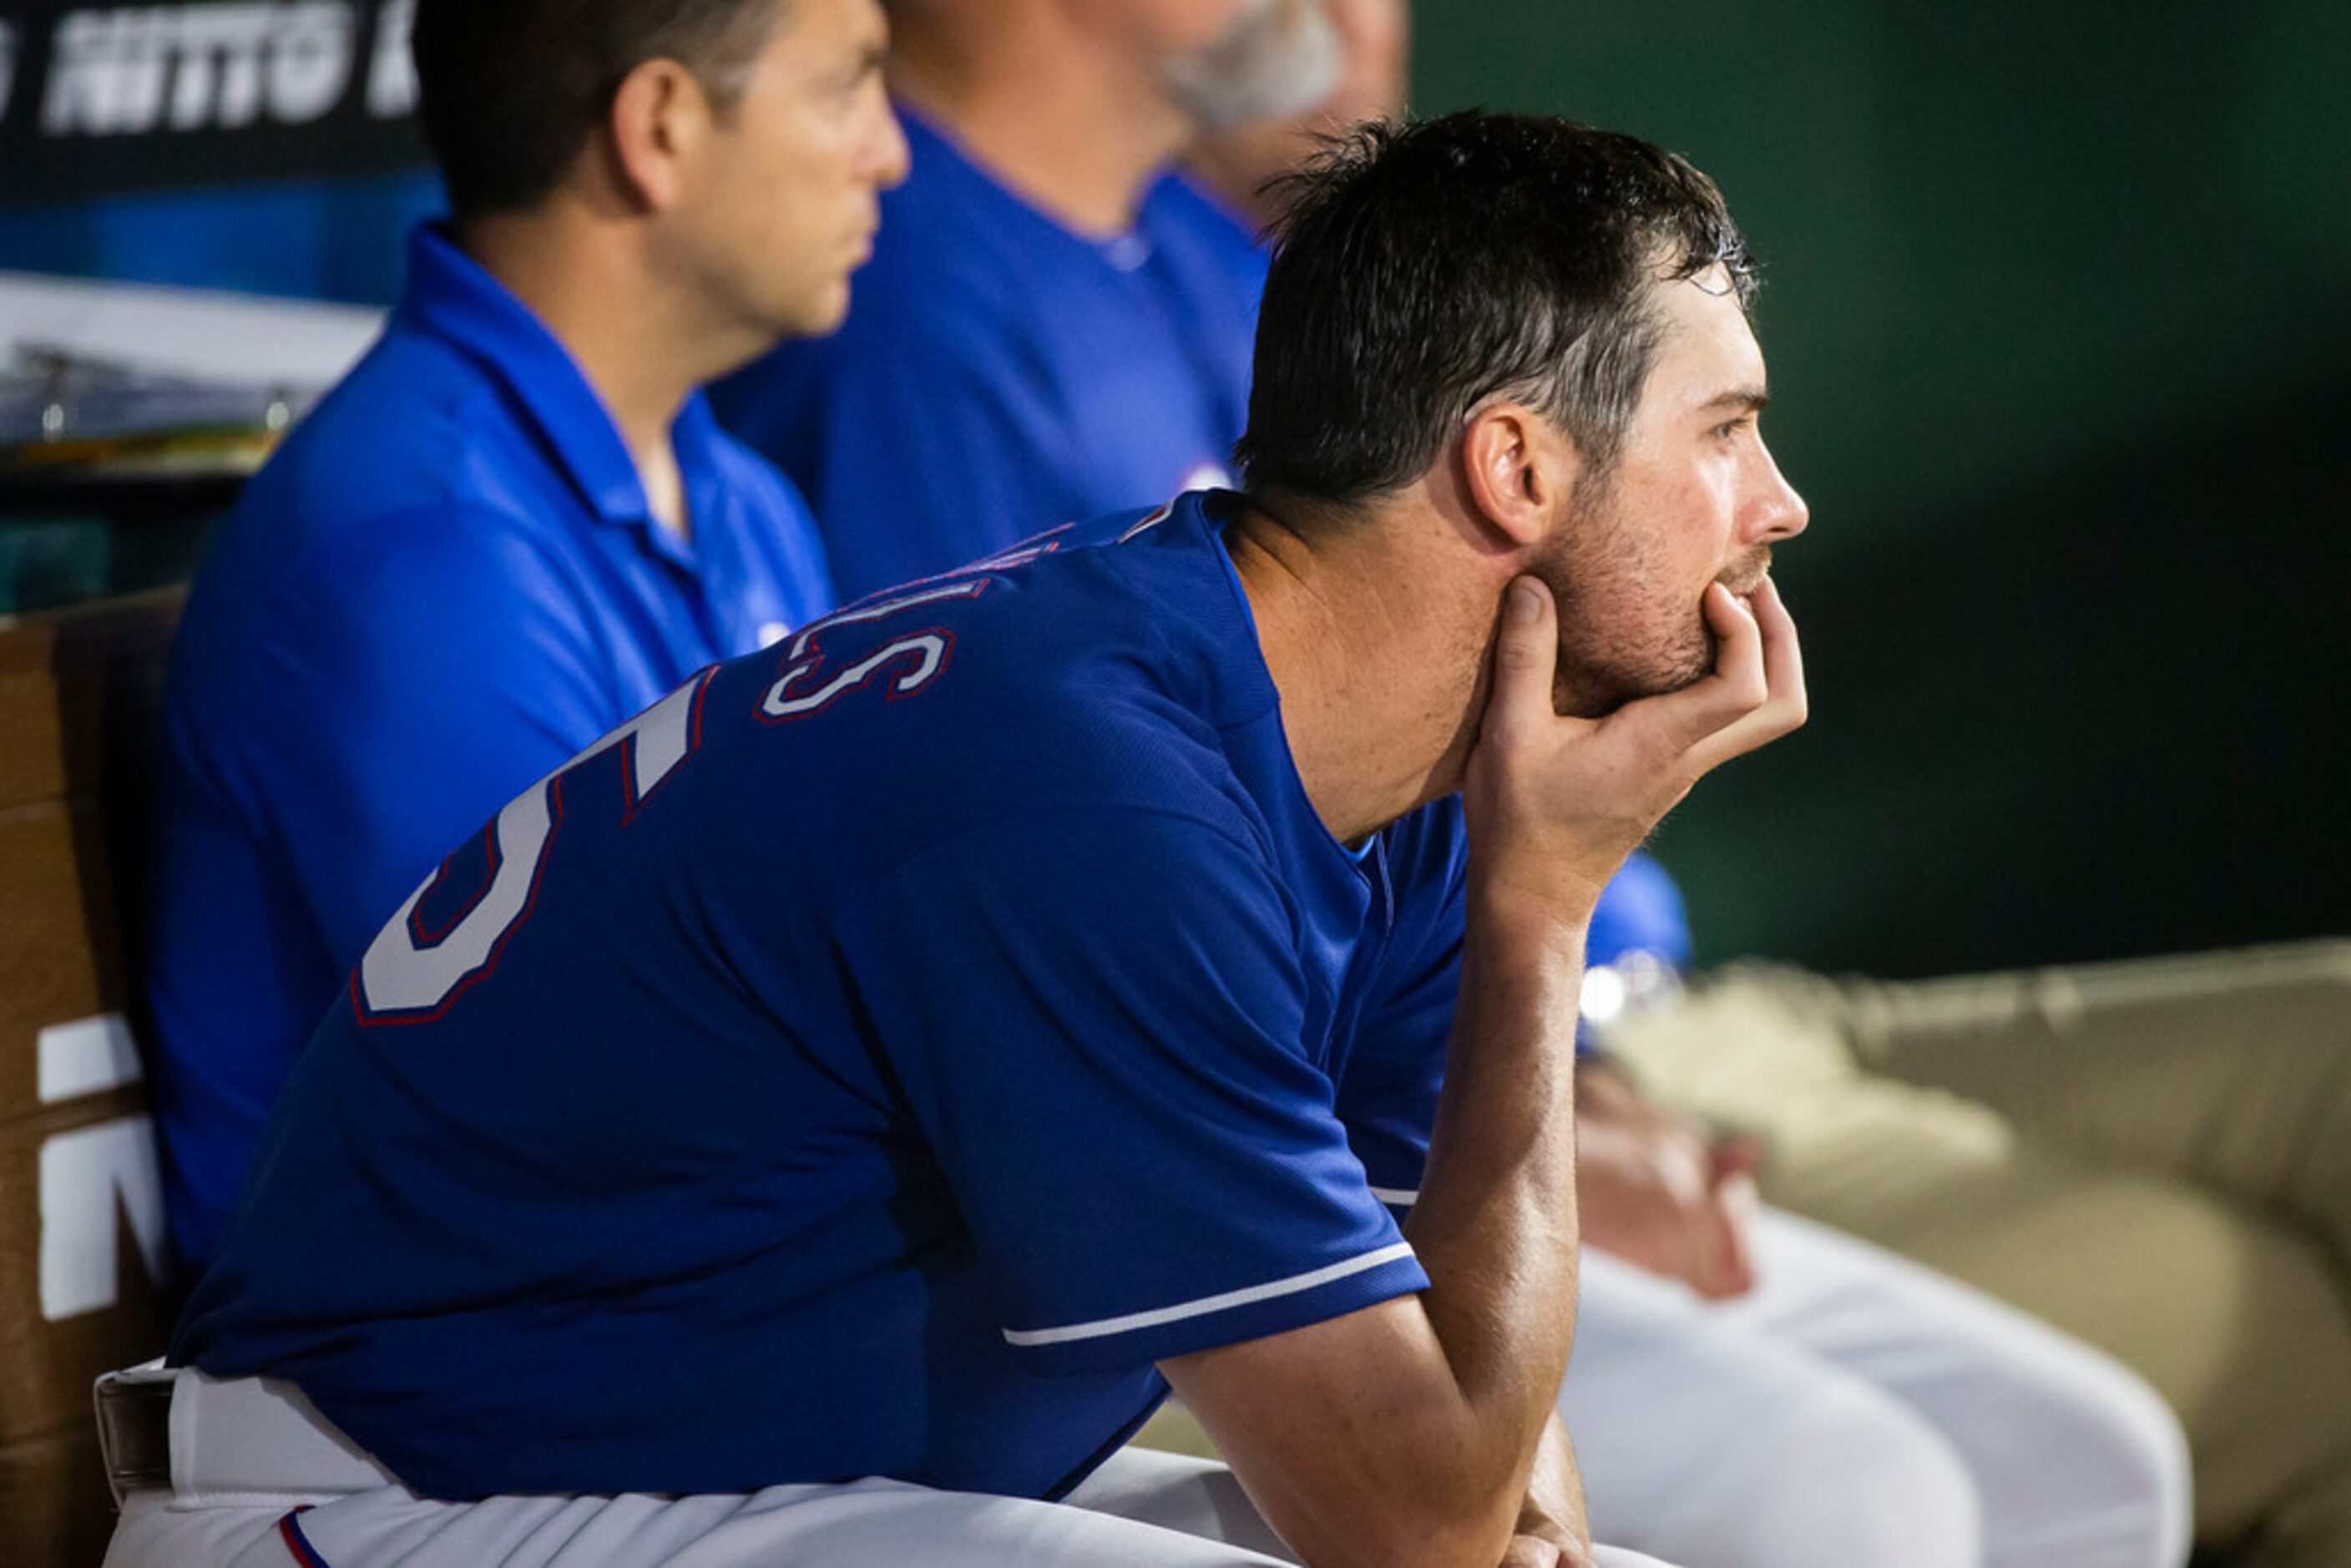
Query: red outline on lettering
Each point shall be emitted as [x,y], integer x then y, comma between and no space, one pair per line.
[1136,529]
[630,802]
[1010,559]
[371,1019]
[898,645]
[872,609]
[946,656]
[420,936]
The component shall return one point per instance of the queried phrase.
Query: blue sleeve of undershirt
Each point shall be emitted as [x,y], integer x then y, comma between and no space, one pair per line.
[1388,1096]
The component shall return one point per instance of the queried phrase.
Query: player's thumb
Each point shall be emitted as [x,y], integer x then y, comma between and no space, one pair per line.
[1526,654]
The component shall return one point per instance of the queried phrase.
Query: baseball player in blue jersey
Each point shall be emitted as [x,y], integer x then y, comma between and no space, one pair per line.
[820,1122]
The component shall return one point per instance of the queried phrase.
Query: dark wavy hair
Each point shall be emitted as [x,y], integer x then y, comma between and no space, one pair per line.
[1422,269]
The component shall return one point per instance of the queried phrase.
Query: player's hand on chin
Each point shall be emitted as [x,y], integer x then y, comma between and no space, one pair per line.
[1556,802]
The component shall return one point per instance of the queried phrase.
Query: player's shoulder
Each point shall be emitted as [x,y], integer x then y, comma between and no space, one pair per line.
[1071,673]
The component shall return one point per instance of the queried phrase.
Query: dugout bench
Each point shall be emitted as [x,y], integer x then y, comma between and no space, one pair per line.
[81,1216]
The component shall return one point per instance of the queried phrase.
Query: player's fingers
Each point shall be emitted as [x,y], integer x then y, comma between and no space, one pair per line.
[1737,1153]
[1731,1256]
[1784,705]
[1783,653]
[1526,656]
[1737,646]
[1691,717]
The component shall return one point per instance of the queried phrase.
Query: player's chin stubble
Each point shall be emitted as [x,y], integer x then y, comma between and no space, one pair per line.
[1600,673]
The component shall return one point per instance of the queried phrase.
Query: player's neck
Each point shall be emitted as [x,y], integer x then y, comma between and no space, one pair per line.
[1082,142]
[1368,634]
[643,347]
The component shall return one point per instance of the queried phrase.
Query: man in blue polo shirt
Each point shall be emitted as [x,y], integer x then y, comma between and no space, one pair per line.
[903,1053]
[1031,185]
[515,523]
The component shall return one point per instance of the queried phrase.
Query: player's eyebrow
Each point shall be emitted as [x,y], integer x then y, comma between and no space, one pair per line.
[1753,399]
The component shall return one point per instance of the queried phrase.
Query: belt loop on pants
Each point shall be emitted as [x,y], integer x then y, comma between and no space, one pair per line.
[134,1427]
[243,1437]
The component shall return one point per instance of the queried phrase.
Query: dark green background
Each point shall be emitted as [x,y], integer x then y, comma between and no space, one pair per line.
[2060,343]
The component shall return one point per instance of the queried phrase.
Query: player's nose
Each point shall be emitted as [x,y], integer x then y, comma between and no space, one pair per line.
[1777,511]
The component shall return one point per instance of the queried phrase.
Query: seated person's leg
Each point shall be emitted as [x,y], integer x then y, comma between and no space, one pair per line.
[1710,1442]
[2238,1321]
[2078,1463]
[201,1520]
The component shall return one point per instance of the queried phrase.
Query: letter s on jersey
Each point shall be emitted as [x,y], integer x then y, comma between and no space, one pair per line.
[793,697]
[412,975]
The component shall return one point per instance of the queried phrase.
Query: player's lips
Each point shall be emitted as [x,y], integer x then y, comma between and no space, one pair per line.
[1743,583]
[1745,588]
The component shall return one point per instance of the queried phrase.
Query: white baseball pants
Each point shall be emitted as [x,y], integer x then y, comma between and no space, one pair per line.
[259,1480]
[1858,1408]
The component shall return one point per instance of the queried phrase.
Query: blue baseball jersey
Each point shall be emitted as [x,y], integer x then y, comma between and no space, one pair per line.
[446,582]
[999,374]
[871,1059]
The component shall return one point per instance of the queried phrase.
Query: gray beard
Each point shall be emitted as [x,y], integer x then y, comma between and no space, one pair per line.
[1275,61]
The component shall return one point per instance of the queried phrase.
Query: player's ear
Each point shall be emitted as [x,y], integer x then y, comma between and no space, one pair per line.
[1517,470]
[658,118]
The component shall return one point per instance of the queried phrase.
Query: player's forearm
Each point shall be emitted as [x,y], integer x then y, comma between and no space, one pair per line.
[1495,1226]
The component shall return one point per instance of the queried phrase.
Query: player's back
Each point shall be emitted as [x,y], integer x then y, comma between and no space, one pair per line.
[606,1126]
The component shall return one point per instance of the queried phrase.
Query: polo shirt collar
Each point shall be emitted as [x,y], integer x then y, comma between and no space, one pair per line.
[451,296]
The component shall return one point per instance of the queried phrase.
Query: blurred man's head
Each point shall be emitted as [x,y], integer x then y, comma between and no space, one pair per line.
[1552,321]
[752,135]
[1271,60]
[1216,63]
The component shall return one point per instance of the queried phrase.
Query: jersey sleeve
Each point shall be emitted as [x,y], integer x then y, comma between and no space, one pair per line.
[459,675]
[1387,1095]
[1096,1017]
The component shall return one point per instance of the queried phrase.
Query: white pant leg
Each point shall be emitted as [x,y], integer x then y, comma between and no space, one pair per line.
[2078,1463]
[1707,1442]
[1200,1497]
[259,1477]
[862,1524]
[260,1480]
[1182,1492]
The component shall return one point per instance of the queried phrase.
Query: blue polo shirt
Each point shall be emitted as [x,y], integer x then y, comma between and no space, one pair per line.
[1000,373]
[446,581]
[870,1061]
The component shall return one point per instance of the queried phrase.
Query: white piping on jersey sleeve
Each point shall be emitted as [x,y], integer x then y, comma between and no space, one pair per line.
[1397,1197]
[1246,1296]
